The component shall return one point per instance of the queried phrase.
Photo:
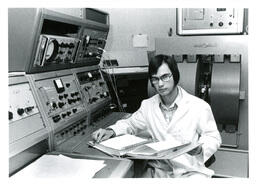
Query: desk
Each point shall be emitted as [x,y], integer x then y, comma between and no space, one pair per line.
[115,167]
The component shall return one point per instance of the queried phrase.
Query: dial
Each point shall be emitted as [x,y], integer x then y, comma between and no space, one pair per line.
[52,50]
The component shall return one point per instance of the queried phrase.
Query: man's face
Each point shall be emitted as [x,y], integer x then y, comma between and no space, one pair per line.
[163,80]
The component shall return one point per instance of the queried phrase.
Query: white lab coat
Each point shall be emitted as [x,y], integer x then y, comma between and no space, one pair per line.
[192,121]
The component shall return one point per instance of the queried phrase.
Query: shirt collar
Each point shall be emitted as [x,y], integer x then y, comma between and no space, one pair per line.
[175,103]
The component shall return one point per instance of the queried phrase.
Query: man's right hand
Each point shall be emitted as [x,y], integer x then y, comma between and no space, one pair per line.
[102,134]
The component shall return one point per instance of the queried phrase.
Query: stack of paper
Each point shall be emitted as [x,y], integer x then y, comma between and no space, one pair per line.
[53,166]
[134,147]
[124,142]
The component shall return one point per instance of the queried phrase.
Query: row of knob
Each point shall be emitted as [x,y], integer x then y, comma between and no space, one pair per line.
[63,115]
[21,111]
[66,45]
[73,94]
[57,118]
[221,24]
[74,130]
[61,104]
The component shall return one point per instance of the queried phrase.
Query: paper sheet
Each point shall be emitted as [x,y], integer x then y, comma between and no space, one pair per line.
[140,40]
[162,145]
[53,166]
[120,142]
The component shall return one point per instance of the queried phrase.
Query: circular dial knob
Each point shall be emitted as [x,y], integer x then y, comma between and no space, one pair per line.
[20,111]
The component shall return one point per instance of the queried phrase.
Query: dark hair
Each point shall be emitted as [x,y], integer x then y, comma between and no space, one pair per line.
[156,61]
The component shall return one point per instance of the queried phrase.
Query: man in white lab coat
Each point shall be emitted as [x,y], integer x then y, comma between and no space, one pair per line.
[172,114]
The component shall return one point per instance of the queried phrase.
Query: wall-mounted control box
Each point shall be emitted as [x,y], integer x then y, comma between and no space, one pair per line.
[197,21]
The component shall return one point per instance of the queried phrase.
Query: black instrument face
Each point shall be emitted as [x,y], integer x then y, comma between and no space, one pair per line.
[58,50]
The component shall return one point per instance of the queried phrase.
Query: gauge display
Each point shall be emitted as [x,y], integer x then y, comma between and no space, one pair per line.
[52,50]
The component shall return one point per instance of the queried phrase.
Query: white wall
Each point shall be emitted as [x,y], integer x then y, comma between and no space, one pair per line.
[155,22]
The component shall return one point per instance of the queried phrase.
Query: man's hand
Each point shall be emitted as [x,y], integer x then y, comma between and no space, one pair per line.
[102,134]
[195,151]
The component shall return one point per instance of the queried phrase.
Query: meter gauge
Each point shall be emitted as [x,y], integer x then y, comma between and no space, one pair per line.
[52,50]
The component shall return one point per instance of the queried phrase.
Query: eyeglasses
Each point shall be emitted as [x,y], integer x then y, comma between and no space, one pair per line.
[164,78]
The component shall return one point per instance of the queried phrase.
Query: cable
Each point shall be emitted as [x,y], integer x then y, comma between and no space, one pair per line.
[112,81]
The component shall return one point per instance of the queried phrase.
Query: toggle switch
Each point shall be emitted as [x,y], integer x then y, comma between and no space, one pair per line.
[29,109]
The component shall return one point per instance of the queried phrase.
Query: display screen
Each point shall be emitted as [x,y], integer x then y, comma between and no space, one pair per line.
[59,85]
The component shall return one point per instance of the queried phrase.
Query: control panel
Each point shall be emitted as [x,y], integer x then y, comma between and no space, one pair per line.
[59,96]
[93,87]
[193,21]
[56,50]
[26,126]
[76,129]
[21,108]
[92,44]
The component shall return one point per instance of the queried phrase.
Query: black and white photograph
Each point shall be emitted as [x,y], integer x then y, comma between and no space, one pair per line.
[100,93]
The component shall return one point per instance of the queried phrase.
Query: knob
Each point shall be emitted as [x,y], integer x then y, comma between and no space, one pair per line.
[63,115]
[54,105]
[68,113]
[70,101]
[10,115]
[60,104]
[20,111]
[67,85]
[221,24]
[65,95]
[60,97]
[94,99]
[72,94]
[74,110]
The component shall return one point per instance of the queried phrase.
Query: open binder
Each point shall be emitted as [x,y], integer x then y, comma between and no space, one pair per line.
[133,147]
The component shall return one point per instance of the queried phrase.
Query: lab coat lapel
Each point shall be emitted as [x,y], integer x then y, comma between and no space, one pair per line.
[182,109]
[160,114]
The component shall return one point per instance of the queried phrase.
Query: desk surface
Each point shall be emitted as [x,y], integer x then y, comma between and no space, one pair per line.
[115,167]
